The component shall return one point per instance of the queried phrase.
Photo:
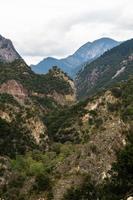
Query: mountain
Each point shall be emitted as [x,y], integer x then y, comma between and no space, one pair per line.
[73,63]
[7,51]
[113,66]
[25,97]
[55,148]
[46,64]
[83,141]
[24,100]
[94,129]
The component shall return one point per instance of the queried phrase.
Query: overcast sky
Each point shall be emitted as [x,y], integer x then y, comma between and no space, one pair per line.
[42,28]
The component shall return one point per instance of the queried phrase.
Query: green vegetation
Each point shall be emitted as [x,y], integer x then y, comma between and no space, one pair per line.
[33,171]
[44,84]
[86,191]
[14,141]
[39,169]
[6,98]
[97,75]
[120,185]
[60,123]
[46,102]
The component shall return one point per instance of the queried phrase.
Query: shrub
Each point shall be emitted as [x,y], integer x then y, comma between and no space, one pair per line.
[86,191]
[42,183]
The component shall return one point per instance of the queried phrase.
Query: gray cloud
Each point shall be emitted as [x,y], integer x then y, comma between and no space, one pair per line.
[57,28]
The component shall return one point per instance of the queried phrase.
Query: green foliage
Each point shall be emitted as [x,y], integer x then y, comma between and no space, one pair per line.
[6,98]
[47,103]
[112,107]
[93,113]
[44,84]
[11,191]
[105,68]
[86,191]
[14,141]
[121,183]
[38,167]
[60,123]
[36,163]
[93,148]
[127,100]
[116,91]
[42,183]
[63,125]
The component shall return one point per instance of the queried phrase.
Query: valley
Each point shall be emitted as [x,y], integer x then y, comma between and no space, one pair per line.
[65,139]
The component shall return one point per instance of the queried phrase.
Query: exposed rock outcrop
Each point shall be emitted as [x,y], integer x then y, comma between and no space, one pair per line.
[130,198]
[7,51]
[15,89]
[37,128]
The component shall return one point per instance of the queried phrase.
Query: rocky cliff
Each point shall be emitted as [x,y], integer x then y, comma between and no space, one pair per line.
[15,89]
[7,50]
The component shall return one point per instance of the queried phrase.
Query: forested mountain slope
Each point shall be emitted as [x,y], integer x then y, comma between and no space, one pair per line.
[113,66]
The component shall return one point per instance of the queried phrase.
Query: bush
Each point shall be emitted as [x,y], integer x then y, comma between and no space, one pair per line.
[42,183]
[117,92]
[86,191]
[120,185]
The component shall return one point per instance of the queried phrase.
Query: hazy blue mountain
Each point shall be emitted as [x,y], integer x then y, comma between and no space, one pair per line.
[48,63]
[73,63]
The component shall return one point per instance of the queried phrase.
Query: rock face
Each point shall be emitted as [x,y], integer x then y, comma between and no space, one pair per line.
[36,126]
[7,51]
[130,198]
[4,166]
[15,89]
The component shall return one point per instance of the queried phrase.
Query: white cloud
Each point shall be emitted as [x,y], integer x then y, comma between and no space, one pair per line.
[41,28]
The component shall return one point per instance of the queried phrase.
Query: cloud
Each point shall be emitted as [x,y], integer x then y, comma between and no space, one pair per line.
[57,28]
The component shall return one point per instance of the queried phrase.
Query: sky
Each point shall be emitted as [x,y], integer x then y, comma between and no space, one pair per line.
[57,28]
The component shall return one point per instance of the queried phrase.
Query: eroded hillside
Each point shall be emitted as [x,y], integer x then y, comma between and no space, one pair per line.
[83,140]
[25,98]
[52,148]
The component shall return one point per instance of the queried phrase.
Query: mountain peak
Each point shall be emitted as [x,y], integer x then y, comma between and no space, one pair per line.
[50,58]
[73,63]
[105,40]
[7,50]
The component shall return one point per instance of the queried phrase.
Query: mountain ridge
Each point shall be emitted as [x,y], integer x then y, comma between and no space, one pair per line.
[113,66]
[71,64]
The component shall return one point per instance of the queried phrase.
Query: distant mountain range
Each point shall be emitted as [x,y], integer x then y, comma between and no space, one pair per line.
[73,63]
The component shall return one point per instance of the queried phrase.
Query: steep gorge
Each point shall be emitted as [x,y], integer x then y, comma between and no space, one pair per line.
[52,147]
